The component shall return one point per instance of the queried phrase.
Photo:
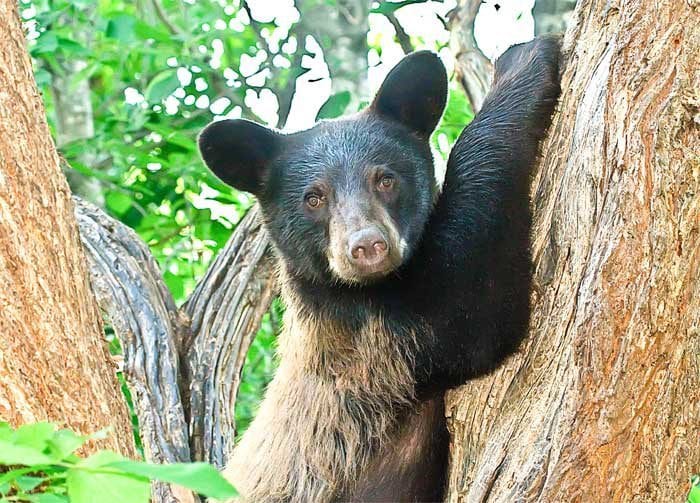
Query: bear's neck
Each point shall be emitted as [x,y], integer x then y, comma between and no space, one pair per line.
[338,396]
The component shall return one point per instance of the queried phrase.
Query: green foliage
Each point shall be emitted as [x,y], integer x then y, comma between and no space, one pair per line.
[335,106]
[156,79]
[694,494]
[38,464]
[457,114]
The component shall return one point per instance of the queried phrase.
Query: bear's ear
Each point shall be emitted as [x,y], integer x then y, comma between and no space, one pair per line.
[239,152]
[414,93]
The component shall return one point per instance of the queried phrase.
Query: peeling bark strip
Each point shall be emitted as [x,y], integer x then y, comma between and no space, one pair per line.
[602,403]
[54,364]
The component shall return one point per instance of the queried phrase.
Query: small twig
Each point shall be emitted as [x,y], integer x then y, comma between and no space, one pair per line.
[163,16]
[401,36]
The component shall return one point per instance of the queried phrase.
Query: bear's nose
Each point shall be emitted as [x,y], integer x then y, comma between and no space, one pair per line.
[367,248]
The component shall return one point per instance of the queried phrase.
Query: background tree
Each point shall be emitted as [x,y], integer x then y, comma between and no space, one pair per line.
[552,16]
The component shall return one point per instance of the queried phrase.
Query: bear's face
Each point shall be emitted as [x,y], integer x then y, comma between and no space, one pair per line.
[346,200]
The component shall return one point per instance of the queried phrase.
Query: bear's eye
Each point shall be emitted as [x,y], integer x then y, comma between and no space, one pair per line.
[314,201]
[386,183]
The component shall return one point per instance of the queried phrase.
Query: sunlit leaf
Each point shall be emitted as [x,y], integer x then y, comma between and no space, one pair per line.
[91,481]
[199,477]
[335,106]
[121,27]
[162,86]
[46,43]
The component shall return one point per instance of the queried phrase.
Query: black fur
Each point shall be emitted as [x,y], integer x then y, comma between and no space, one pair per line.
[465,280]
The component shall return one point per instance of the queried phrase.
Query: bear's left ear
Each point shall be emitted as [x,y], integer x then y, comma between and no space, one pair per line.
[414,93]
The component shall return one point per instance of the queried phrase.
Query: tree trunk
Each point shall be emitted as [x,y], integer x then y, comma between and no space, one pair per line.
[603,400]
[54,363]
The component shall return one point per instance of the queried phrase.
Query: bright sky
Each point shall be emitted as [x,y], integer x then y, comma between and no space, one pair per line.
[496,29]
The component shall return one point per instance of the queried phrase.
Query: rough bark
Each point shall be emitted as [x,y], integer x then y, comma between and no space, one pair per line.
[473,69]
[225,312]
[54,363]
[552,16]
[602,402]
[129,289]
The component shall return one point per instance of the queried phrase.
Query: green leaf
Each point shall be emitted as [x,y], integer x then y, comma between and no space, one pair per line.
[162,86]
[50,498]
[64,442]
[47,42]
[42,77]
[121,27]
[391,7]
[146,31]
[694,494]
[27,483]
[13,454]
[90,481]
[335,106]
[200,477]
[118,202]
[34,434]
[71,47]
[14,474]
[28,445]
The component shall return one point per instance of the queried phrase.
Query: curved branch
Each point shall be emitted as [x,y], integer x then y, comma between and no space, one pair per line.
[473,69]
[210,334]
[129,288]
[165,19]
[225,311]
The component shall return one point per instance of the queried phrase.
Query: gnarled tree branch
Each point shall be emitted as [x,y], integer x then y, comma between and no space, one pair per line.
[225,311]
[182,365]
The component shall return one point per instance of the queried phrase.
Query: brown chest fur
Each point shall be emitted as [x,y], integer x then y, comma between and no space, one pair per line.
[339,420]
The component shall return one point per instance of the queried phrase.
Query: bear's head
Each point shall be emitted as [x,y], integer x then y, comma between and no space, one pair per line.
[346,200]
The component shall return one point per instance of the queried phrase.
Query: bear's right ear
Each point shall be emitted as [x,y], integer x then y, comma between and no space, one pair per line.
[239,152]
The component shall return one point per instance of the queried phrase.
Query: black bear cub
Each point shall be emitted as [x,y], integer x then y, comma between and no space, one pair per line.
[394,292]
